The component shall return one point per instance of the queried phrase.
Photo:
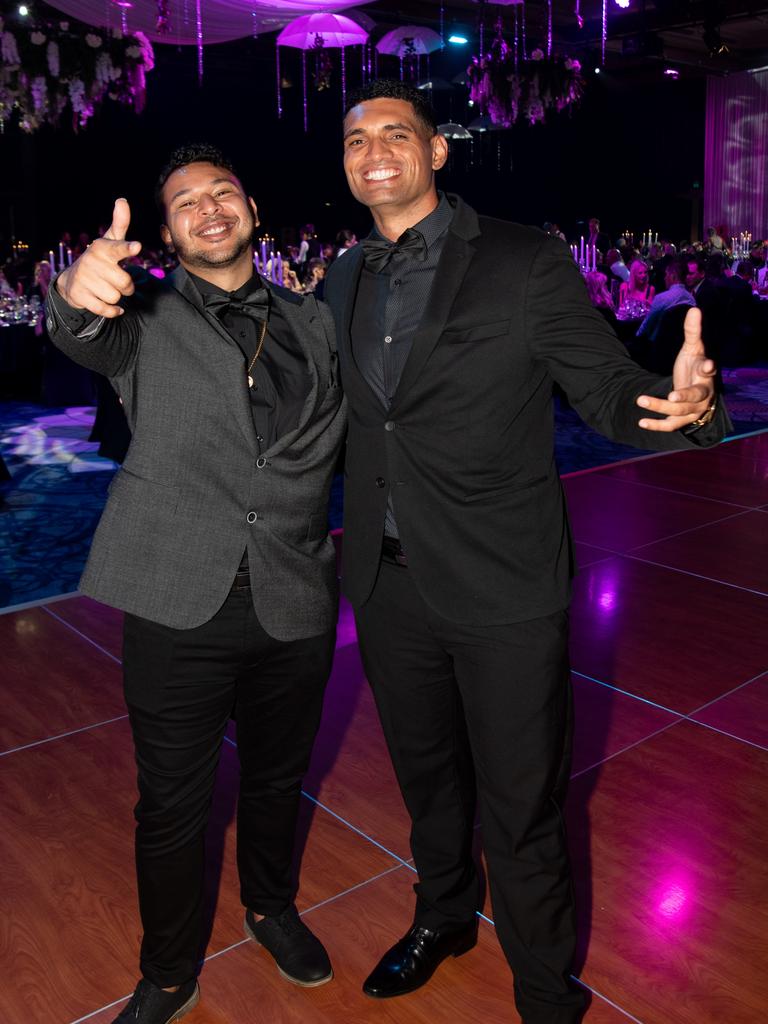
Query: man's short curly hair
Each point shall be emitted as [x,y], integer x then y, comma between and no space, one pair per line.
[192,153]
[392,89]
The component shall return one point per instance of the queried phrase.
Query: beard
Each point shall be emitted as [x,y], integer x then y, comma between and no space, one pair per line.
[239,244]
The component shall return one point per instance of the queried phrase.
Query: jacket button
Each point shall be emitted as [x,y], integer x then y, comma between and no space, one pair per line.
[261,462]
[252,517]
[380,481]
[389,425]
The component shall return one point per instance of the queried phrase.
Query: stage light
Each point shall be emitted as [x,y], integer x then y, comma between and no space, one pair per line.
[458,40]
[672,73]
[597,71]
[23,10]
[623,4]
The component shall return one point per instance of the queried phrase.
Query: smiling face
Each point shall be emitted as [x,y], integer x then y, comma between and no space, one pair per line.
[209,220]
[390,160]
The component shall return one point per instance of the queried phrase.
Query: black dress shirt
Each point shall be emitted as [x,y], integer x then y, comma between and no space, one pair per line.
[281,380]
[388,310]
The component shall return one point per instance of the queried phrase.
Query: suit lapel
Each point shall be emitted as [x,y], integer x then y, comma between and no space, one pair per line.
[227,363]
[308,329]
[353,379]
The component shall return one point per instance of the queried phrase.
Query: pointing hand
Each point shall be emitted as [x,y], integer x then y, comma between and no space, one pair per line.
[96,281]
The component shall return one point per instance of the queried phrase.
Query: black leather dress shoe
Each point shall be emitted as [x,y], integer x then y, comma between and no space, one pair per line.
[299,955]
[412,961]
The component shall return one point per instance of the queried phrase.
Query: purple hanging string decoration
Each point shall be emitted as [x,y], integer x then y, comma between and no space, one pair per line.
[362,50]
[199,31]
[577,12]
[442,24]
[549,28]
[304,85]
[517,37]
[402,68]
[522,20]
[343,79]
[279,82]
[604,29]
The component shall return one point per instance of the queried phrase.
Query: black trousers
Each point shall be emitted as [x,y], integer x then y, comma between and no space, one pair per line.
[181,688]
[487,710]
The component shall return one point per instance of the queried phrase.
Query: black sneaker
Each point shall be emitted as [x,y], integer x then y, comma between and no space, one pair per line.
[299,955]
[152,1005]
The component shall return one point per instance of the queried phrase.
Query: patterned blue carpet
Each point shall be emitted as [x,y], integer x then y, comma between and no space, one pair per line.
[52,503]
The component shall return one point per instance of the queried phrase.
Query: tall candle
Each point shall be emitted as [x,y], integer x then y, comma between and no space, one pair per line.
[61,255]
[581,253]
[279,268]
[272,268]
[263,253]
[69,257]
[656,238]
[52,261]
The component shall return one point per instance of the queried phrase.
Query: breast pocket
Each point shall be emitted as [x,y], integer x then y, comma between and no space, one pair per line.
[477,332]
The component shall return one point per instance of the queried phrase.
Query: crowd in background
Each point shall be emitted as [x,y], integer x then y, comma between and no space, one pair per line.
[644,291]
[635,287]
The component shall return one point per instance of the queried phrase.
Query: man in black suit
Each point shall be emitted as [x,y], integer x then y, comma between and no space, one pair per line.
[452,329]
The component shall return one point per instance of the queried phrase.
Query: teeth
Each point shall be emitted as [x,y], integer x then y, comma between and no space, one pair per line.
[218,230]
[381,175]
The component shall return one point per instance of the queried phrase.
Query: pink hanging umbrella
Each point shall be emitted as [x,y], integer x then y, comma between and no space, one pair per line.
[319,32]
[335,30]
[410,41]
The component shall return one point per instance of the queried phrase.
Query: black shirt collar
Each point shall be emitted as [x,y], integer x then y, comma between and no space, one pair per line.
[433,225]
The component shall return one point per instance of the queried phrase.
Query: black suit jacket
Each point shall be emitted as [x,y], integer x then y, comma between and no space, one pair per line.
[467,444]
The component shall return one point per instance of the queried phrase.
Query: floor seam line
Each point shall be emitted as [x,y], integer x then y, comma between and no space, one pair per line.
[83,636]
[62,735]
[694,575]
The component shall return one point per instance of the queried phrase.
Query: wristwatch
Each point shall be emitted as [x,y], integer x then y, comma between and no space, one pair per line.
[705,418]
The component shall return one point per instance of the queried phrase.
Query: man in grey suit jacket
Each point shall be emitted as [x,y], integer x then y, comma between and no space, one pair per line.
[452,328]
[214,542]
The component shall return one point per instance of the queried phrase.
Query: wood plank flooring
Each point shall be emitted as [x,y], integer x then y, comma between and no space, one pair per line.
[667,809]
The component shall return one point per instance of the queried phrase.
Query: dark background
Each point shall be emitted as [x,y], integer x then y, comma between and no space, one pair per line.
[631,153]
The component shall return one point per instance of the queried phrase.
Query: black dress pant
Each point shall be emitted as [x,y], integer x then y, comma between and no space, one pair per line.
[492,702]
[181,687]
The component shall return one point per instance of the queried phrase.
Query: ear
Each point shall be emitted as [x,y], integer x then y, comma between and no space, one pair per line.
[255,211]
[439,151]
[165,234]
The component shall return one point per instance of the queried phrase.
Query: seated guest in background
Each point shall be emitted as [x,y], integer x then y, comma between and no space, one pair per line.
[599,295]
[6,288]
[740,310]
[309,246]
[697,266]
[42,280]
[616,267]
[714,241]
[596,237]
[553,230]
[345,239]
[676,294]
[328,253]
[638,288]
[313,282]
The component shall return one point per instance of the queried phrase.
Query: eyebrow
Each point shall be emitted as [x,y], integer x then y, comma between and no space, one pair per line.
[183,191]
[386,128]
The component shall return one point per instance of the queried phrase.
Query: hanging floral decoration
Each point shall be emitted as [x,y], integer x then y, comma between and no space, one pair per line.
[507,89]
[321,76]
[163,18]
[51,67]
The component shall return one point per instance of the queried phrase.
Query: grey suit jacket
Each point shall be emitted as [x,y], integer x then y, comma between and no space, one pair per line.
[193,492]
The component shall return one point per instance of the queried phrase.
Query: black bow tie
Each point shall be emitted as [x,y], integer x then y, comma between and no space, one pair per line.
[378,251]
[255,303]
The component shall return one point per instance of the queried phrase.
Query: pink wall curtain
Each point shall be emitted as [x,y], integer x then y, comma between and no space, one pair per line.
[736,153]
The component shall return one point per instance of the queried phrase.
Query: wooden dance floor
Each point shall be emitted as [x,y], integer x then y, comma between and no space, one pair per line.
[667,808]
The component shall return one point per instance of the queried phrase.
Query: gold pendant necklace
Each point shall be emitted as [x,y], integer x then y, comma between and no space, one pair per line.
[259,347]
